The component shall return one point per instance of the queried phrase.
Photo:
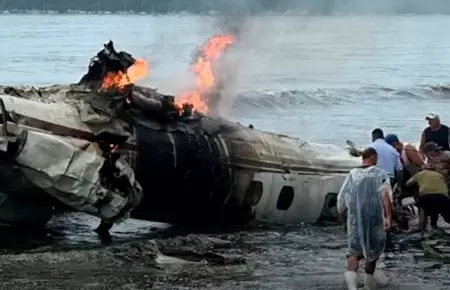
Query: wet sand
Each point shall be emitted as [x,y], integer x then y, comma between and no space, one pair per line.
[69,255]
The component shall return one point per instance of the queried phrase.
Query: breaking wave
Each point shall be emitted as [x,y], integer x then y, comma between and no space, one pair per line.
[328,97]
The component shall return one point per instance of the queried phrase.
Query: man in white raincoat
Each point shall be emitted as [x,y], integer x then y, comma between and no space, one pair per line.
[365,195]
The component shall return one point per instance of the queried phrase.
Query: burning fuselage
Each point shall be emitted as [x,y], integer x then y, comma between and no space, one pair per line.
[194,169]
[199,169]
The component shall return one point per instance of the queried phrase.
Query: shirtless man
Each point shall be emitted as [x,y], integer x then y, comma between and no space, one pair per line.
[412,163]
[409,155]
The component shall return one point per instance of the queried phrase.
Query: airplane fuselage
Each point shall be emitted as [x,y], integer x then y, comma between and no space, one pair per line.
[211,170]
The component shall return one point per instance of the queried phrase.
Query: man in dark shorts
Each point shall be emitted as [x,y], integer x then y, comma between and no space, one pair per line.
[433,197]
[440,160]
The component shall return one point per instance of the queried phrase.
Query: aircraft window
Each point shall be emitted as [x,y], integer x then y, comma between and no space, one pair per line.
[254,193]
[285,198]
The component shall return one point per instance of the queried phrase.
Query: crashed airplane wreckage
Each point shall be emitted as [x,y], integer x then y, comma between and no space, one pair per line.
[70,143]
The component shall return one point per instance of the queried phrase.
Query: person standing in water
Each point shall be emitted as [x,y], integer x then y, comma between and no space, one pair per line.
[365,195]
[435,132]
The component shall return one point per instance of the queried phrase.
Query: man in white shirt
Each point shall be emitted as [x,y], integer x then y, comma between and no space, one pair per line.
[388,158]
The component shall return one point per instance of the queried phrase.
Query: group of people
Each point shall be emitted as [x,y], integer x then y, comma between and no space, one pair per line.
[372,194]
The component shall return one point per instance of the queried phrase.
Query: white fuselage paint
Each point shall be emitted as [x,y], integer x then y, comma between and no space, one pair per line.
[309,196]
[278,161]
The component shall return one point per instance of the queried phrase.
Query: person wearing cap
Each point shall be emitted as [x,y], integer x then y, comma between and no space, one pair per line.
[409,155]
[412,163]
[433,197]
[435,132]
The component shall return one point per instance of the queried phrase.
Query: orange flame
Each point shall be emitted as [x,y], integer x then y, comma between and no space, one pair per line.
[118,80]
[202,69]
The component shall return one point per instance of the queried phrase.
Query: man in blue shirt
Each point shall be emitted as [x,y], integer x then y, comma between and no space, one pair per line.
[388,158]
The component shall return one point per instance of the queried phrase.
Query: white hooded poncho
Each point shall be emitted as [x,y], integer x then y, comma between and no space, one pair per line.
[361,196]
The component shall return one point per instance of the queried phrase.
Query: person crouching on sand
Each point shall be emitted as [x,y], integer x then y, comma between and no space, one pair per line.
[433,195]
[365,195]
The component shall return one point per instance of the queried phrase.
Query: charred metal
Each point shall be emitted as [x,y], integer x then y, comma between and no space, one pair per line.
[193,169]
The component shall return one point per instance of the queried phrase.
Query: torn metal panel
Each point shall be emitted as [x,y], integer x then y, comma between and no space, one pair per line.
[43,108]
[74,176]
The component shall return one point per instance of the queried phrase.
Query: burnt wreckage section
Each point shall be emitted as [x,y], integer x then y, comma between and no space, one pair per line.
[182,161]
[181,158]
[81,176]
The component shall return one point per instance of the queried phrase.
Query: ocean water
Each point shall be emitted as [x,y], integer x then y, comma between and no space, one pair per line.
[323,79]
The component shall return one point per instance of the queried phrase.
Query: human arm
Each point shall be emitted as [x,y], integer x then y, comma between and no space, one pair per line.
[341,204]
[355,152]
[448,138]
[413,155]
[398,171]
[422,143]
[444,162]
[387,205]
[413,179]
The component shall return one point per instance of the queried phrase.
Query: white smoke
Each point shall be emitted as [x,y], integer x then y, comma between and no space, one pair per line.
[229,7]
[228,68]
[237,17]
